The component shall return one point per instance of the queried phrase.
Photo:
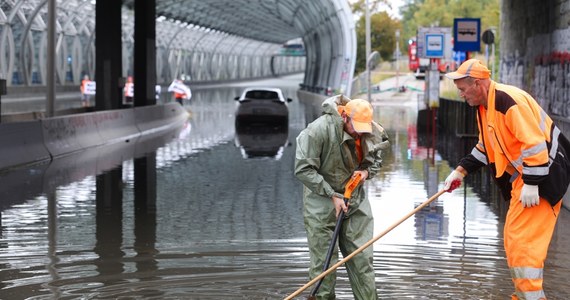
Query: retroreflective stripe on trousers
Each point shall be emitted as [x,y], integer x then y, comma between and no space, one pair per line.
[528,232]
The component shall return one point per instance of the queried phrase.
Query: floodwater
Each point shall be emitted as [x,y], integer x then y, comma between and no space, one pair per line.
[227,224]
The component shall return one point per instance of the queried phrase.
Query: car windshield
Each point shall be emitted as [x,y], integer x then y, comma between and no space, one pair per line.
[261,95]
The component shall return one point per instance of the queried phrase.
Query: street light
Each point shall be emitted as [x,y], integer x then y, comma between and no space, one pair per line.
[397,58]
[368,47]
[371,63]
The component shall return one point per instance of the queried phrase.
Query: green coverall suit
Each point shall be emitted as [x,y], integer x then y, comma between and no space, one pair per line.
[324,161]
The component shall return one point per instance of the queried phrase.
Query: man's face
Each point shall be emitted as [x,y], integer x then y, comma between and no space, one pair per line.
[471,90]
[349,128]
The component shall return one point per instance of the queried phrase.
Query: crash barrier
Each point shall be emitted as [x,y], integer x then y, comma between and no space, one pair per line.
[68,134]
[22,143]
[42,140]
[149,119]
[117,125]
[313,104]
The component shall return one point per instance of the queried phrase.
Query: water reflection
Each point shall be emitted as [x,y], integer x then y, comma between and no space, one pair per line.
[192,219]
[261,140]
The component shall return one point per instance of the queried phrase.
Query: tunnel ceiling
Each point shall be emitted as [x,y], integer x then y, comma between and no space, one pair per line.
[274,21]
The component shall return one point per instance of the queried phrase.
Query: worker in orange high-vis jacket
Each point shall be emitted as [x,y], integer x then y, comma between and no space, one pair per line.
[129,90]
[83,88]
[527,155]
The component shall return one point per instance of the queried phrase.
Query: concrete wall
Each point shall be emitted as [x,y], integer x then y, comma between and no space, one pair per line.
[42,140]
[535,51]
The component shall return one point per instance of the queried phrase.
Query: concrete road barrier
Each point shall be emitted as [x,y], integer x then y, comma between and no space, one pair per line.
[22,143]
[45,139]
[67,134]
[118,125]
[150,119]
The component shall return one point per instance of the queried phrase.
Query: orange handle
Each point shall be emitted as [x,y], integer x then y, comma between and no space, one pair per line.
[352,184]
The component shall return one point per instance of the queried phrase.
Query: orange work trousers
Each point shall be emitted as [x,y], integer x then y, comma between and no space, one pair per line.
[527,236]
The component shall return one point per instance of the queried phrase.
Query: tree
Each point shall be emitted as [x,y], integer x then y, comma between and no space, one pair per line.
[382,37]
[426,13]
[359,6]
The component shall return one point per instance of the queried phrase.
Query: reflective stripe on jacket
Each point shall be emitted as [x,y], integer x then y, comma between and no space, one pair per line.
[516,137]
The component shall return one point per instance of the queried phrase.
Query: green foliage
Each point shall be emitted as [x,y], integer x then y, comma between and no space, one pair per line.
[359,6]
[417,13]
[382,38]
[426,13]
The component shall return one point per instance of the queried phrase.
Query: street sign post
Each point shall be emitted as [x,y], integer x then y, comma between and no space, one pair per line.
[434,45]
[466,34]
[436,35]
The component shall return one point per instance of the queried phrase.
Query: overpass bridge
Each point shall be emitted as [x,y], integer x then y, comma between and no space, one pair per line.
[209,41]
[157,41]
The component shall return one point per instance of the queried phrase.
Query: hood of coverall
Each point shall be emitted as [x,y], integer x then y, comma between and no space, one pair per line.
[330,105]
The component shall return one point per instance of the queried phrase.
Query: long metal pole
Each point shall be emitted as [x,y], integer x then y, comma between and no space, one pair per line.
[493,60]
[50,80]
[368,47]
[397,60]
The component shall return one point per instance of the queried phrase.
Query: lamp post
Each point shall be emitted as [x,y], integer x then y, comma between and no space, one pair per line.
[367,20]
[397,58]
[371,62]
[50,77]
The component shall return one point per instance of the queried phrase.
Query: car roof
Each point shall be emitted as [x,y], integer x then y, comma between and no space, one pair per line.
[277,90]
[269,89]
[262,89]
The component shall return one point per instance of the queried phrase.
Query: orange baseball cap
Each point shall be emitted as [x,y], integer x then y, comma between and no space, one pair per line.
[470,68]
[360,113]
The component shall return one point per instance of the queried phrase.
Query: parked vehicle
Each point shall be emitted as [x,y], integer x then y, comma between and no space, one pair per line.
[262,105]
[262,140]
[420,65]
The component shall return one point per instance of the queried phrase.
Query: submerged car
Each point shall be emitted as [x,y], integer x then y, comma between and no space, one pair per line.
[261,140]
[265,105]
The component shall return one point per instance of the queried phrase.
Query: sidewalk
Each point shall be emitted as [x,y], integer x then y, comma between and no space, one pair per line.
[401,90]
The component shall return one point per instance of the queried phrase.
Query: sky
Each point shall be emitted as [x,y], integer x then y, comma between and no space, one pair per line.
[393,10]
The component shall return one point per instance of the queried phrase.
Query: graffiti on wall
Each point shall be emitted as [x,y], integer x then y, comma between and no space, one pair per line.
[512,69]
[551,82]
[543,71]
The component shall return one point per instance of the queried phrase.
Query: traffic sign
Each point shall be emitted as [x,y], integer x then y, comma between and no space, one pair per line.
[439,44]
[434,45]
[488,37]
[466,34]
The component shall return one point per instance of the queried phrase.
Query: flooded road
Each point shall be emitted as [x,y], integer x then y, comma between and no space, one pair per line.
[228,225]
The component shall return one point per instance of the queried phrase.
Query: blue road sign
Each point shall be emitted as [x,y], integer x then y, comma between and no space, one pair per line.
[467,34]
[434,45]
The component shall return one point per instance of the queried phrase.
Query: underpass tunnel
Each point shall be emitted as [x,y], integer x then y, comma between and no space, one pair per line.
[199,42]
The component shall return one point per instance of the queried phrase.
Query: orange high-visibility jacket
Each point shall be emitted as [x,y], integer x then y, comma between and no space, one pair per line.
[516,137]
[84,82]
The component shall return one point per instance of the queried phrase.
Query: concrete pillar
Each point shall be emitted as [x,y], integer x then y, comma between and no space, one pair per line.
[145,213]
[145,52]
[145,182]
[108,55]
[109,222]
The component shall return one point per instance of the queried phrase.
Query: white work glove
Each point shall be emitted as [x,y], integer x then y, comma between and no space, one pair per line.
[453,181]
[529,195]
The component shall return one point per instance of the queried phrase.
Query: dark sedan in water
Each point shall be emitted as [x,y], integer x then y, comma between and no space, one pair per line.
[262,105]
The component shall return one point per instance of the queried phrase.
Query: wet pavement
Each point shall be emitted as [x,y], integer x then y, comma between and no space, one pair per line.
[227,223]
